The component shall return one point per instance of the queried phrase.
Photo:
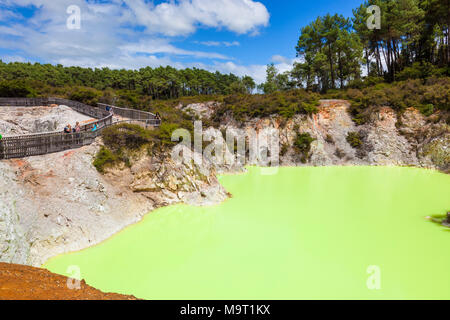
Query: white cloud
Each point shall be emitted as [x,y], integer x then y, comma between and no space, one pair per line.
[280,59]
[231,44]
[184,16]
[10,31]
[256,71]
[284,64]
[153,46]
[219,43]
[8,59]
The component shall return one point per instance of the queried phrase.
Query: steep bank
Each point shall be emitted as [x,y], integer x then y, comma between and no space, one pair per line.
[19,282]
[58,203]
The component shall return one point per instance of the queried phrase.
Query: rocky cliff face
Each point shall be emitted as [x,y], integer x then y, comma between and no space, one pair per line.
[410,139]
[58,203]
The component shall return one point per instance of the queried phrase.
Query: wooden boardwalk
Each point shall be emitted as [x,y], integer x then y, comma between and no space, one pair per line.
[43,143]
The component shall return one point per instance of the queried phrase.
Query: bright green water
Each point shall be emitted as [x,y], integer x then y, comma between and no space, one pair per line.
[305,233]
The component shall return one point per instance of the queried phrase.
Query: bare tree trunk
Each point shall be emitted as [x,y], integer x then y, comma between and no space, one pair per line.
[379,64]
[331,65]
[385,58]
[367,60]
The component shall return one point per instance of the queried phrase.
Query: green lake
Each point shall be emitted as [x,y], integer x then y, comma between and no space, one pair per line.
[303,233]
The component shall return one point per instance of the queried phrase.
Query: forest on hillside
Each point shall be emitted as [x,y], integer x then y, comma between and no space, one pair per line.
[157,83]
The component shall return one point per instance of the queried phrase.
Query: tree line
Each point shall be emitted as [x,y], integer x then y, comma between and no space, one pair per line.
[157,83]
[336,52]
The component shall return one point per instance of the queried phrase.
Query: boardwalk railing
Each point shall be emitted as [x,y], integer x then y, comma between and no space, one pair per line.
[43,143]
[33,145]
[136,115]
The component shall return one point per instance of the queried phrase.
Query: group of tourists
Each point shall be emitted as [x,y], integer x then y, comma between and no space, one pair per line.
[77,128]
[69,129]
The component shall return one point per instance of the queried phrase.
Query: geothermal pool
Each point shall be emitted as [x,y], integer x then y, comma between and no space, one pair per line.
[303,233]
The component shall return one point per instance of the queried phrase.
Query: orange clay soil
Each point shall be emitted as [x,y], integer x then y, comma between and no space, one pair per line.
[19,282]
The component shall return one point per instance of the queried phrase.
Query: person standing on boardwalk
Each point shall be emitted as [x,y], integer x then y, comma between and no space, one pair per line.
[110,110]
[77,130]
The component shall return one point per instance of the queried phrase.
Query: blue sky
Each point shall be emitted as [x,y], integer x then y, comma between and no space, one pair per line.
[239,36]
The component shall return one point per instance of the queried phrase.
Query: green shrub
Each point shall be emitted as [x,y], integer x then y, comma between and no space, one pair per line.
[419,70]
[355,95]
[355,139]
[104,158]
[357,111]
[310,108]
[289,111]
[427,110]
[302,144]
[165,133]
[360,119]
[128,136]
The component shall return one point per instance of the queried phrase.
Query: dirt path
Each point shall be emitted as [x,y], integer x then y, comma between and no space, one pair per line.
[19,282]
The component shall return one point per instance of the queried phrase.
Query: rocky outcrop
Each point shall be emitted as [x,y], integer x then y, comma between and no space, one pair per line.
[164,182]
[200,110]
